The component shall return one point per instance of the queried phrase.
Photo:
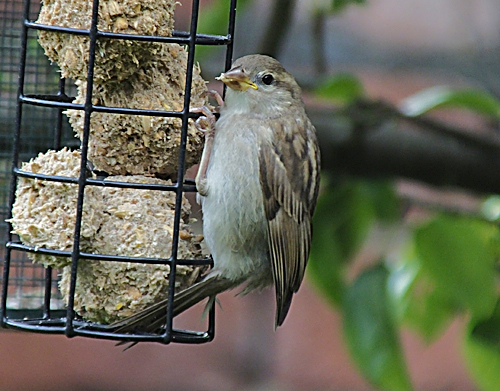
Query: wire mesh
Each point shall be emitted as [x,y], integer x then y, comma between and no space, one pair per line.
[33,99]
[27,287]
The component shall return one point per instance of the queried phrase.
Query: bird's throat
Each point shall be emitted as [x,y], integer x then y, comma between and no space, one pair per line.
[238,102]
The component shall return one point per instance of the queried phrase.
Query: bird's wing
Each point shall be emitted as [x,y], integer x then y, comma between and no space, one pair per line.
[289,165]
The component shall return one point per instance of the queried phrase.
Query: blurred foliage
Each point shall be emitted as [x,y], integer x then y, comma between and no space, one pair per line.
[491,208]
[371,332]
[339,5]
[483,360]
[342,88]
[333,7]
[417,302]
[446,264]
[337,236]
[214,20]
[458,254]
[432,98]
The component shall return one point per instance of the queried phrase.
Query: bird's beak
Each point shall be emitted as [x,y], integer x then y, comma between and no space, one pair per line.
[237,79]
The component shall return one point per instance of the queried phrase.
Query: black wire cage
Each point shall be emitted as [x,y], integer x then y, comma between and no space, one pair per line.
[30,298]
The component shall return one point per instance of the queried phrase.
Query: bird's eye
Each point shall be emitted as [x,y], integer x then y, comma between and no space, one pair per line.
[267,79]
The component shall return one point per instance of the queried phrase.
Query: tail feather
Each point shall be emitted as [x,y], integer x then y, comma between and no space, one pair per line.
[282,307]
[152,318]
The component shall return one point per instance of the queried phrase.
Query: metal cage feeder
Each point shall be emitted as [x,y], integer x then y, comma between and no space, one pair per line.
[43,311]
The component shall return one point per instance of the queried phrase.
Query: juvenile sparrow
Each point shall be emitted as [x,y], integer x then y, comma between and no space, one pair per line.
[258,184]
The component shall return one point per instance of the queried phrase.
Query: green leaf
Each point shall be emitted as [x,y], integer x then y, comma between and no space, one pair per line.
[326,258]
[417,301]
[342,88]
[344,215]
[351,215]
[214,19]
[483,363]
[385,201]
[355,205]
[458,253]
[429,311]
[339,5]
[488,330]
[371,333]
[477,101]
[482,353]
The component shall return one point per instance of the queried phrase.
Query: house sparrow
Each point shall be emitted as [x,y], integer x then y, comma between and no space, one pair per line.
[258,184]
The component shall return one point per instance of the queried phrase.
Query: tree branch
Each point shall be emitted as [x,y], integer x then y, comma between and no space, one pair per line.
[374,139]
[278,24]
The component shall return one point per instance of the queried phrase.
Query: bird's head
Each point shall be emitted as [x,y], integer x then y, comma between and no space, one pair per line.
[259,84]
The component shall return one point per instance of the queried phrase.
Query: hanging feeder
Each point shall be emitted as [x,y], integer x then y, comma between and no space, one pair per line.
[101,230]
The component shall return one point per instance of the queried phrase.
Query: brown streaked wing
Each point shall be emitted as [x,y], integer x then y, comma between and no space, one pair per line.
[289,166]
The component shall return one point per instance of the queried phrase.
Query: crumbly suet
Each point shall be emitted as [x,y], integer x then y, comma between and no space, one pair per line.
[136,223]
[116,59]
[115,221]
[130,144]
[43,214]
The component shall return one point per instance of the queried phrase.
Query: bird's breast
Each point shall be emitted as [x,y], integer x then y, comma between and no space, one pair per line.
[234,221]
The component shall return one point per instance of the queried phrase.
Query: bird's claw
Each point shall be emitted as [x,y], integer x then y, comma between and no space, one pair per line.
[214,94]
[205,123]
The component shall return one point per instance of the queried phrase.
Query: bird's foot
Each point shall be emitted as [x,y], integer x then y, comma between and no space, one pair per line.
[214,94]
[206,122]
[201,185]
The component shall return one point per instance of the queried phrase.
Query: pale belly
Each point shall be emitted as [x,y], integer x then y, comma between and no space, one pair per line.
[234,223]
